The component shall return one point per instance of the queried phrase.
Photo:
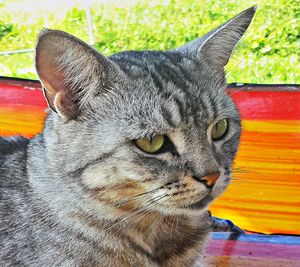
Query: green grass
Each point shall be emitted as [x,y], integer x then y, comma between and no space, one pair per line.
[268,53]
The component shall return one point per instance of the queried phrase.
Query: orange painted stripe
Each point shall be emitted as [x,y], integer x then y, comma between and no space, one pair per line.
[21,120]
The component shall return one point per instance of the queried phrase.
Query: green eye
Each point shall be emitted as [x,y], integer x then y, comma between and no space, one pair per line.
[151,145]
[219,129]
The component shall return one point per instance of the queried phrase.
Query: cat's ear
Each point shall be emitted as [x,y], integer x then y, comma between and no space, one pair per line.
[71,72]
[216,47]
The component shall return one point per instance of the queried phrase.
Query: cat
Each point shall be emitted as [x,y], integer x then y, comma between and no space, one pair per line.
[134,149]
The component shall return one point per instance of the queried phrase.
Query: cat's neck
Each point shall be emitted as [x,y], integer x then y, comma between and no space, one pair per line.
[171,239]
[156,228]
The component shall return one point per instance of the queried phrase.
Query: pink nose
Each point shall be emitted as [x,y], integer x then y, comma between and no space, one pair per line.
[211,179]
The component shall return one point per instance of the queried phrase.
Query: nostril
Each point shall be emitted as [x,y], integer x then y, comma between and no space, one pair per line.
[209,179]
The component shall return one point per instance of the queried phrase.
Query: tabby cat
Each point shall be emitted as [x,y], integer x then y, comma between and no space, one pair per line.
[135,148]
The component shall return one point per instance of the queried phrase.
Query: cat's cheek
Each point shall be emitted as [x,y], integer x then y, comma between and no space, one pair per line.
[114,187]
[94,176]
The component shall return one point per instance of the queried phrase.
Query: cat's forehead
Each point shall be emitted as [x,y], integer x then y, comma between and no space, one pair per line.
[175,84]
[162,95]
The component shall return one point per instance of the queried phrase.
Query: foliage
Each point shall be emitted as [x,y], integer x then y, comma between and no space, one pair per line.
[269,53]
[5,28]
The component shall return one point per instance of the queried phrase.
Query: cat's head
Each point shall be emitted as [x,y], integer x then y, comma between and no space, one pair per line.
[148,130]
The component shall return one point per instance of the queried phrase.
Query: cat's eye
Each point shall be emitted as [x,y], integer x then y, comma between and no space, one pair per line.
[151,145]
[219,130]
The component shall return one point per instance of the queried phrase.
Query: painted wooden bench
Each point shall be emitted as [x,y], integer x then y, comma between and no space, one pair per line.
[264,195]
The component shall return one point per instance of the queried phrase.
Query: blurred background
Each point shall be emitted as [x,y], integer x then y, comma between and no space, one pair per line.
[271,46]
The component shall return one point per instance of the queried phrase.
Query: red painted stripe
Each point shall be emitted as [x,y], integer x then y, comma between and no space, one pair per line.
[254,102]
[14,94]
[253,249]
[267,105]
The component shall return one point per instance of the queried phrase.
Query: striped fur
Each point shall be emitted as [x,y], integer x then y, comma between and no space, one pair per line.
[82,193]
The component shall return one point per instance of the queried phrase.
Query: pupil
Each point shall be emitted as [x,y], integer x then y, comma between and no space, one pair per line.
[218,128]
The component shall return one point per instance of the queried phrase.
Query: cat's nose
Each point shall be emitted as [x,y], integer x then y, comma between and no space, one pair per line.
[210,179]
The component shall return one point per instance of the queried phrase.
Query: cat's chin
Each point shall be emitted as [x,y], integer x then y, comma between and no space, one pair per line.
[201,204]
[194,208]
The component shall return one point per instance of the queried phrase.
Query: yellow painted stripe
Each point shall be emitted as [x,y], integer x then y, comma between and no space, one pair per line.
[280,126]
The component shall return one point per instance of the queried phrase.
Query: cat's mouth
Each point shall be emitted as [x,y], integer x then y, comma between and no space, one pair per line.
[198,204]
[189,195]
[192,199]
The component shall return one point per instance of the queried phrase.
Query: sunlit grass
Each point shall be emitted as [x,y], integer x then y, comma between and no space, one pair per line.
[269,53]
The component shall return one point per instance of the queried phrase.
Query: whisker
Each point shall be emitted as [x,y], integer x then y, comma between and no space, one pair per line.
[125,201]
[137,209]
[229,73]
[156,223]
[132,198]
[243,170]
[232,179]
[174,218]
[152,205]
[142,208]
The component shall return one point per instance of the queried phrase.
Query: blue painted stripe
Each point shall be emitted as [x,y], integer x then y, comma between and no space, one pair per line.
[271,239]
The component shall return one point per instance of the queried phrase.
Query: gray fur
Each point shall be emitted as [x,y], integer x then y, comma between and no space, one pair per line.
[59,190]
